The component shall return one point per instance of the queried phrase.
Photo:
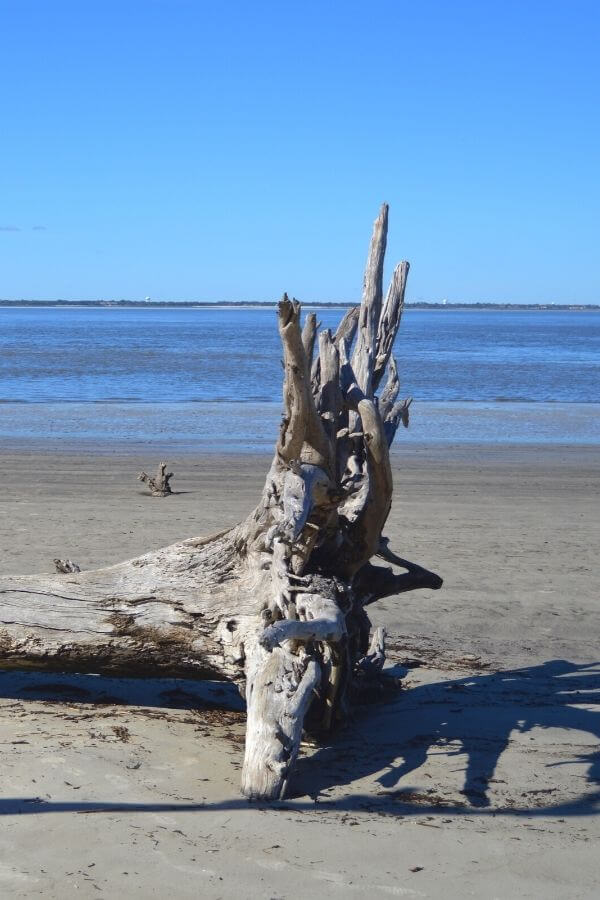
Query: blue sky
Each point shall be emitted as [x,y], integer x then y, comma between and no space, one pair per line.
[182,149]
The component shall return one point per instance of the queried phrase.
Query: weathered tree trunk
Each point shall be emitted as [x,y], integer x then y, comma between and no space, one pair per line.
[159,484]
[277,602]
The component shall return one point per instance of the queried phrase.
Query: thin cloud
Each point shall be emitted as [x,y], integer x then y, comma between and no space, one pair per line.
[9,228]
[39,228]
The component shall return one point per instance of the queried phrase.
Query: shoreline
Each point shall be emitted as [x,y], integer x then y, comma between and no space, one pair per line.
[306,304]
[272,304]
[440,451]
[251,426]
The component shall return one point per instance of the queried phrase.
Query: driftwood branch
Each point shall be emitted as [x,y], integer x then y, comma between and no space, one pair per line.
[302,435]
[363,360]
[276,603]
[389,323]
[309,334]
[376,582]
[373,661]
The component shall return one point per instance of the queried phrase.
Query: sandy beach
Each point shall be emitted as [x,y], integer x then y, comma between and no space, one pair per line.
[477,776]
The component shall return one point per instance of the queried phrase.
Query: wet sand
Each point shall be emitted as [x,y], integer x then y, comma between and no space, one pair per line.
[479,777]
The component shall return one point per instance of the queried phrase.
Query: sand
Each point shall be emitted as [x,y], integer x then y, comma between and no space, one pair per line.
[477,776]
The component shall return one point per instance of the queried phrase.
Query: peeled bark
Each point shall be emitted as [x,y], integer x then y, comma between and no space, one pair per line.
[277,602]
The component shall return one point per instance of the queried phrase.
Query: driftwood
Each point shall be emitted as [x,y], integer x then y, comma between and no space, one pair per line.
[276,603]
[158,484]
[66,566]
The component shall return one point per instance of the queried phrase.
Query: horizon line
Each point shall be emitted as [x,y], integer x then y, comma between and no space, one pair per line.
[270,304]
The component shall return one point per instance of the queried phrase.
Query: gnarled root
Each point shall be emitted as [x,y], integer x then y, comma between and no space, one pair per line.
[279,688]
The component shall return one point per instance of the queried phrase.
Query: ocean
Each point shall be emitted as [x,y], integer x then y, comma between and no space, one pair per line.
[210,378]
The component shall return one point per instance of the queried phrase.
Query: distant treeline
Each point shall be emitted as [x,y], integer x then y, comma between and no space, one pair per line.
[196,304]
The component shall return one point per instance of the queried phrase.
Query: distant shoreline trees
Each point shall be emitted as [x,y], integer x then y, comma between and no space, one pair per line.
[268,304]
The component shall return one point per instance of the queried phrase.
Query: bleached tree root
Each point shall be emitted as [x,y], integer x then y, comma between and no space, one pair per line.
[278,602]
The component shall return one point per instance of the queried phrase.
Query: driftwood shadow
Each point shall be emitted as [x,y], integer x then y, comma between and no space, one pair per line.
[472,716]
[172,494]
[163,693]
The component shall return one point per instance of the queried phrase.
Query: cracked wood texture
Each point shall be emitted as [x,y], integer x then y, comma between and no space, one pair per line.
[277,602]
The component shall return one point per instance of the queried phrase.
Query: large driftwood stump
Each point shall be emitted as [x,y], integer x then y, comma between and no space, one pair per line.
[278,602]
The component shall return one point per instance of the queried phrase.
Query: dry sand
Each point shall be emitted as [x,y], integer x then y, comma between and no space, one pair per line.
[479,778]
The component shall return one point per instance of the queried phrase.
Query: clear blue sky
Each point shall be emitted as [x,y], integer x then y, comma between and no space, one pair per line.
[191,150]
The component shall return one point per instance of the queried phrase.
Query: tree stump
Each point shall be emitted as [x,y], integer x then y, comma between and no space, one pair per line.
[276,603]
[159,484]
[66,566]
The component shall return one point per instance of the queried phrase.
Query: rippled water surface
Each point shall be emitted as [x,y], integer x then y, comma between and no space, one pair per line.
[474,364]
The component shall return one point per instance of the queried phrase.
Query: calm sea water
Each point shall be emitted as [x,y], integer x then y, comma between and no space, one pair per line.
[128,375]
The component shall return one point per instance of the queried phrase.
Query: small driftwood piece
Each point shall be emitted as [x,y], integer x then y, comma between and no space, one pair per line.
[66,566]
[277,603]
[159,484]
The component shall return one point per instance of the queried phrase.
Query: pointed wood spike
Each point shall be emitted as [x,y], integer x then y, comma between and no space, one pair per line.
[389,321]
[390,391]
[363,358]
[309,333]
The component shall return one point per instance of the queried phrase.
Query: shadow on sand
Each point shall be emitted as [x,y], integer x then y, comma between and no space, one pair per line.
[472,716]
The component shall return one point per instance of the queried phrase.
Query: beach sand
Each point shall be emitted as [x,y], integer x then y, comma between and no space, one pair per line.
[473,778]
